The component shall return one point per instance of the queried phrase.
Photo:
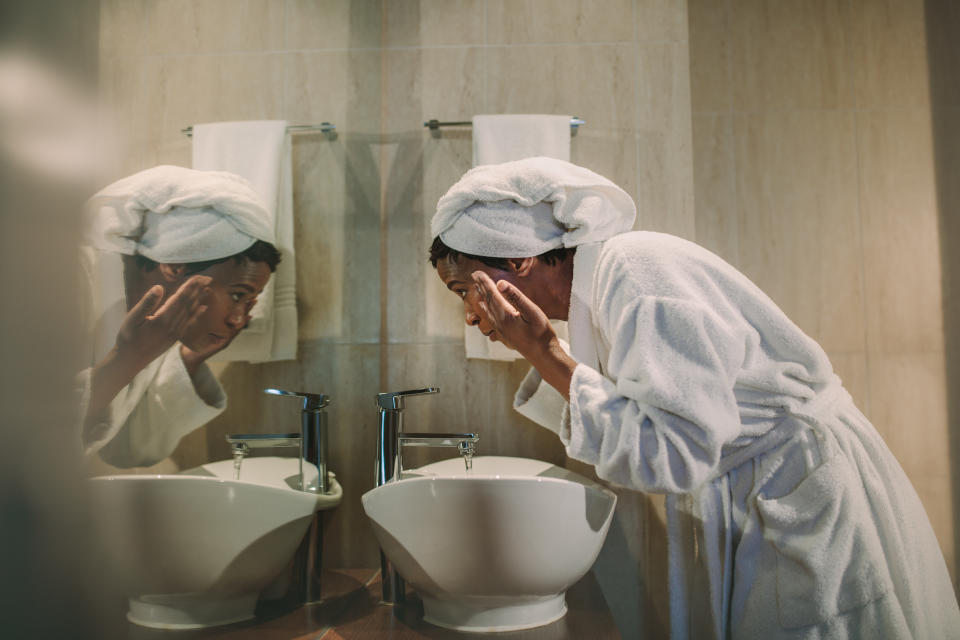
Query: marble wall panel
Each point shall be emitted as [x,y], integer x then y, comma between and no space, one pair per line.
[332,24]
[556,21]
[889,53]
[710,45]
[665,182]
[715,187]
[790,55]
[943,56]
[131,115]
[901,247]
[908,407]
[123,28]
[425,23]
[199,26]
[799,228]
[661,20]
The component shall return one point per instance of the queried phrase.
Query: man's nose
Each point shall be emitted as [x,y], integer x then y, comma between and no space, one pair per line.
[471,317]
[237,319]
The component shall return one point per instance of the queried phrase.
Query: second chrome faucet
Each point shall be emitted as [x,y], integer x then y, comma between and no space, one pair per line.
[391,438]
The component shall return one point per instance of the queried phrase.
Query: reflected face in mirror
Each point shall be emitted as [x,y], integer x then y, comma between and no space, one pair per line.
[232,294]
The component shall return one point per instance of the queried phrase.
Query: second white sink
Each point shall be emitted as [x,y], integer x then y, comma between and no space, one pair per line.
[495,548]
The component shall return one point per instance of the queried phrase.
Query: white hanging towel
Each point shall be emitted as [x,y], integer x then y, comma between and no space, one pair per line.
[259,151]
[501,138]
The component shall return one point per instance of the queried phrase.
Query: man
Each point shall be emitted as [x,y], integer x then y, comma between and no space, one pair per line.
[784,505]
[194,249]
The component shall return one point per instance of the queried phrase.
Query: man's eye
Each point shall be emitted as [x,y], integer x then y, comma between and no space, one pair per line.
[236,297]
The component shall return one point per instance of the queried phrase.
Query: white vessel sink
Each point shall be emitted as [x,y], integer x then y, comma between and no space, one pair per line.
[196,549]
[495,548]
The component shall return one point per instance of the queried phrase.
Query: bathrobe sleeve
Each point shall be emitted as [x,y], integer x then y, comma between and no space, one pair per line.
[659,415]
[147,419]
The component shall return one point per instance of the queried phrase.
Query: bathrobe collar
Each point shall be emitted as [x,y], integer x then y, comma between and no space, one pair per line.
[583,339]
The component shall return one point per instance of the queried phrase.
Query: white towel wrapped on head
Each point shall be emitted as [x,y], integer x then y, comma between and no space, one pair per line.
[177,215]
[490,211]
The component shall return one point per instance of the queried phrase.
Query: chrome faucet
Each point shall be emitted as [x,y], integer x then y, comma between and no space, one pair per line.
[389,464]
[312,442]
[312,439]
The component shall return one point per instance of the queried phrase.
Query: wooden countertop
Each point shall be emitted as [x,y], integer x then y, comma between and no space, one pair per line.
[352,611]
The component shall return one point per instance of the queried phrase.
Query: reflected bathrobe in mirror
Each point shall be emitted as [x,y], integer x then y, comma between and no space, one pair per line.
[786,510]
[144,423]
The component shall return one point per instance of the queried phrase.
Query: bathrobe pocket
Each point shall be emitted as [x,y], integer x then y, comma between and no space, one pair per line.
[829,559]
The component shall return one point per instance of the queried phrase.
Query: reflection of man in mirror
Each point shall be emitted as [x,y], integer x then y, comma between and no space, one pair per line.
[175,259]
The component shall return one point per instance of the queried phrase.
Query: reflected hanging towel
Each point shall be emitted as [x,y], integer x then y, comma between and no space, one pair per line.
[260,152]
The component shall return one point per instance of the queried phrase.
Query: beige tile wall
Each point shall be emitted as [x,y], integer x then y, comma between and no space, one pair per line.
[791,138]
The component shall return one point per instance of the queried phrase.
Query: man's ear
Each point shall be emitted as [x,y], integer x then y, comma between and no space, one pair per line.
[172,272]
[522,266]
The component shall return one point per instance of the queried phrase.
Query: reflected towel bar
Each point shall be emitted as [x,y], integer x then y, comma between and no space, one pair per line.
[433,125]
[325,127]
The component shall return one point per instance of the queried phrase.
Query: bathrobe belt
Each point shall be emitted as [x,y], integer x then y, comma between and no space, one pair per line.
[815,412]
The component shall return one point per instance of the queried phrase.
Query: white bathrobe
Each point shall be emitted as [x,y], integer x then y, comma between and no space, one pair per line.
[787,514]
[146,420]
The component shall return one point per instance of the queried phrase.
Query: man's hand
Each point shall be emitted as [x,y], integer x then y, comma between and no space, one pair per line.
[149,328]
[147,331]
[522,325]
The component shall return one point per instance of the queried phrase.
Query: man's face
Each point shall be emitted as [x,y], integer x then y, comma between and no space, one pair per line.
[456,276]
[233,292]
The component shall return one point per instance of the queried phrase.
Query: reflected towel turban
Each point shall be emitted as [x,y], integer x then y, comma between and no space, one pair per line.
[177,215]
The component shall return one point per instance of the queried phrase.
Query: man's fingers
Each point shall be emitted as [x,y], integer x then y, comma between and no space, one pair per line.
[515,297]
[495,302]
[147,304]
[186,297]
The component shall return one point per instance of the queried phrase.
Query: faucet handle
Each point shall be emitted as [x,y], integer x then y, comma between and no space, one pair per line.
[394,400]
[311,401]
